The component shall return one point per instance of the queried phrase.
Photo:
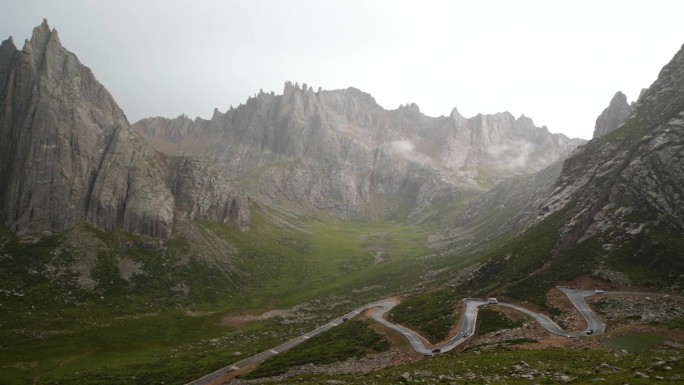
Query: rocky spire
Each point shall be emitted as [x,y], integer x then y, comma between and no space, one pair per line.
[457,119]
[68,156]
[613,116]
[41,38]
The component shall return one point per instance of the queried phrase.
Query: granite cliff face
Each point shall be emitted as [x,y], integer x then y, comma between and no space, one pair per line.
[615,210]
[340,152]
[631,180]
[67,154]
[613,116]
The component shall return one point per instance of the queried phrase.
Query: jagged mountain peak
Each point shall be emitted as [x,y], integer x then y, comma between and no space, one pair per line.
[665,97]
[9,42]
[613,116]
[616,210]
[41,37]
[636,169]
[340,151]
[409,108]
[619,97]
[528,121]
[68,155]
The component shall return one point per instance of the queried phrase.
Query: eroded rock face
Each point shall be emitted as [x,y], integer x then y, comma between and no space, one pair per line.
[57,123]
[613,116]
[203,192]
[340,152]
[67,153]
[638,171]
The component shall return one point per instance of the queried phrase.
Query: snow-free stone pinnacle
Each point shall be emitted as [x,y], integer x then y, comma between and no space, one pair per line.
[613,116]
[68,155]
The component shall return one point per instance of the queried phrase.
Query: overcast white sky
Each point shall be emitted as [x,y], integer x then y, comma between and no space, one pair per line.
[556,62]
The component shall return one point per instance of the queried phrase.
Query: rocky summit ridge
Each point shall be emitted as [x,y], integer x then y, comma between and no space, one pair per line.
[340,152]
[68,155]
[631,180]
[613,116]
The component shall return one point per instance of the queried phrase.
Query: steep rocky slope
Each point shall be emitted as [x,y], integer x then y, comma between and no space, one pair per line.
[616,210]
[340,152]
[637,168]
[507,209]
[67,154]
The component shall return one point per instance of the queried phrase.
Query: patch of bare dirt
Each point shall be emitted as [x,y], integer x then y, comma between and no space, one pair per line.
[586,282]
[192,313]
[240,319]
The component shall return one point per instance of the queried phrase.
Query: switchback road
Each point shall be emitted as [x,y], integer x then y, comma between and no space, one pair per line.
[420,344]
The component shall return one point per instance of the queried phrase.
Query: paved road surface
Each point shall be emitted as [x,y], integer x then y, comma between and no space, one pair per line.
[468,326]
[420,344]
[577,297]
[543,320]
[281,348]
[415,339]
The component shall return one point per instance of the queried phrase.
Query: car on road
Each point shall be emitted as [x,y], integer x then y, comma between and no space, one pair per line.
[598,291]
[492,300]
[590,331]
[438,350]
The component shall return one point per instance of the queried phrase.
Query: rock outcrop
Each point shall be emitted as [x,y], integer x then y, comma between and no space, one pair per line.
[615,211]
[340,152]
[68,155]
[613,116]
[634,180]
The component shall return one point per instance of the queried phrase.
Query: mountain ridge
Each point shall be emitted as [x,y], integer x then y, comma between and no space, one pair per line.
[377,160]
[615,211]
[68,155]
[613,116]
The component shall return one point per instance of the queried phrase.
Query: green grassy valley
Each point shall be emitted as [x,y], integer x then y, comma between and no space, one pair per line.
[164,318]
[147,311]
[139,307]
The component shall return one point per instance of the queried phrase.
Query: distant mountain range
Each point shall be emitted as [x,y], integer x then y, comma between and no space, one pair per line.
[142,236]
[340,153]
[68,155]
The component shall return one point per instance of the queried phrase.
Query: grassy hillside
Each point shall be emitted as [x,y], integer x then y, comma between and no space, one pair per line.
[429,313]
[93,307]
[522,366]
[351,339]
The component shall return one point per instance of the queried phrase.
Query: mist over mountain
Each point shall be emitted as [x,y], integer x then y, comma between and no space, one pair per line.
[615,210]
[160,251]
[340,152]
[69,156]
[634,168]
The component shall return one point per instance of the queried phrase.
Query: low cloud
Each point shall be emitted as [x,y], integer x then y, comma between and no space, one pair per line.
[403,147]
[407,150]
[512,157]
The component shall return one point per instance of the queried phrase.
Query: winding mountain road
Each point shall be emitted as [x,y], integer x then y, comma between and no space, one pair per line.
[420,344]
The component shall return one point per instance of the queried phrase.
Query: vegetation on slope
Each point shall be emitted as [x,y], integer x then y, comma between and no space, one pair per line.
[349,340]
[653,258]
[430,313]
[490,320]
[162,322]
[522,366]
